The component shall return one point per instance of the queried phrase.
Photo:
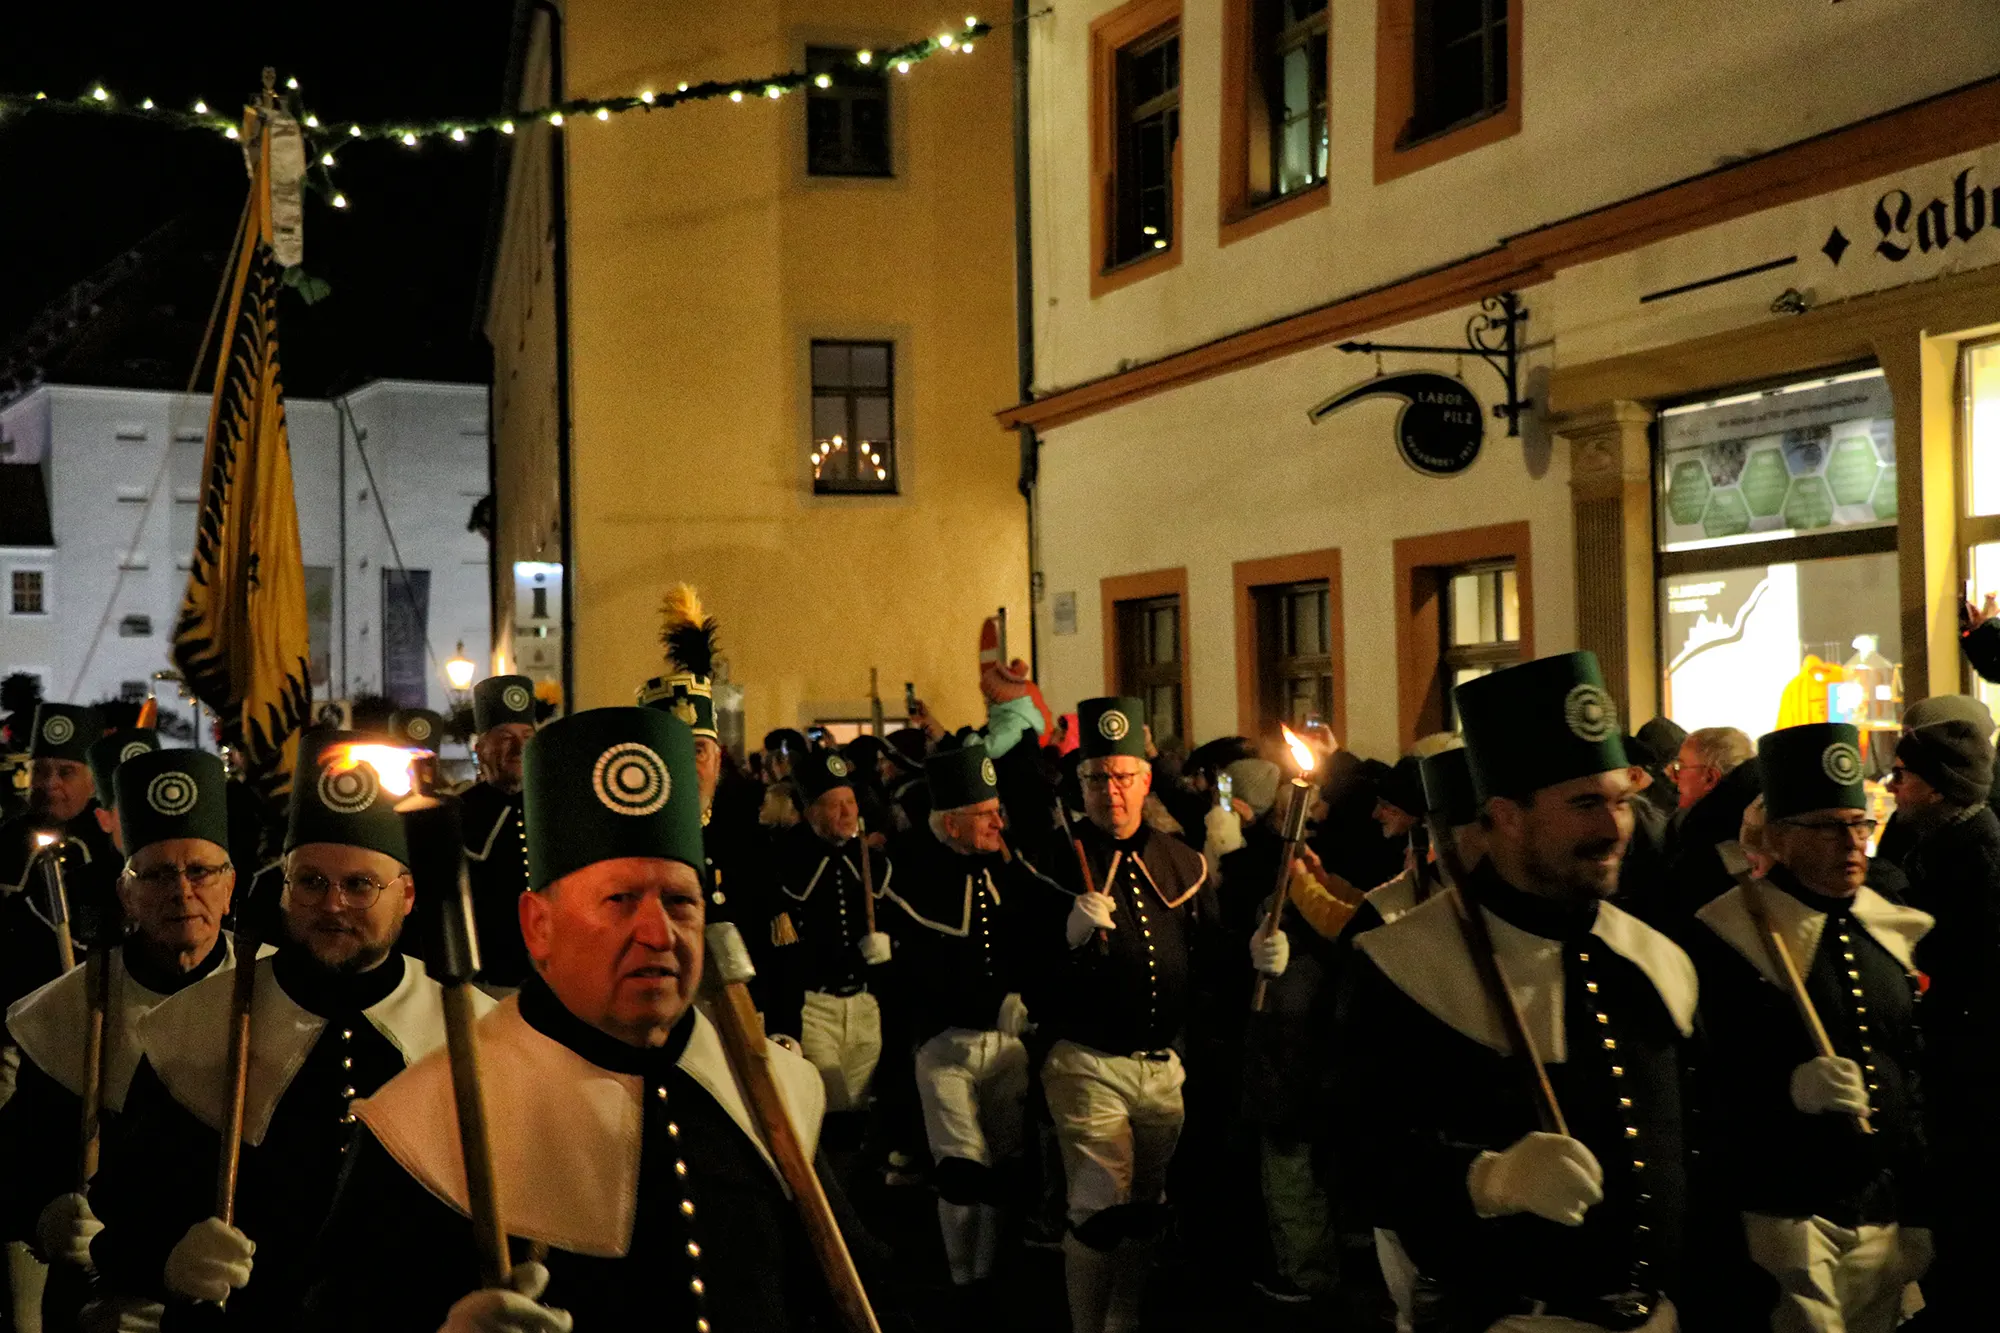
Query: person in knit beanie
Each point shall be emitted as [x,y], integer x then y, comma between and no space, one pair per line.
[1946,765]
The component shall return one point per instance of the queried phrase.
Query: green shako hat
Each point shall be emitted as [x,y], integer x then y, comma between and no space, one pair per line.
[498,700]
[1111,726]
[64,731]
[1534,725]
[820,771]
[166,794]
[107,752]
[961,776]
[688,634]
[1448,790]
[417,726]
[607,783]
[1813,767]
[335,803]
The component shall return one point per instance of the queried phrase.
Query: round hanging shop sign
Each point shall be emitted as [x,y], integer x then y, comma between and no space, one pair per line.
[1441,427]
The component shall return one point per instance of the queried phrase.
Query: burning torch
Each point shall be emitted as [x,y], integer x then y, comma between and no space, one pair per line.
[49,846]
[1296,814]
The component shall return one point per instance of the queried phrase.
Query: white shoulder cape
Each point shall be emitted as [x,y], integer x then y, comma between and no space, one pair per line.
[1424,953]
[186,1038]
[565,1132]
[1396,897]
[1895,928]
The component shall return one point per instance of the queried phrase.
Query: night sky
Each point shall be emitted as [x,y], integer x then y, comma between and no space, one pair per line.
[404,260]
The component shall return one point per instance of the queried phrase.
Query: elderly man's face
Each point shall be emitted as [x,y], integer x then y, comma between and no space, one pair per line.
[620,944]
[174,893]
[1569,839]
[499,750]
[346,904]
[1826,850]
[976,828]
[59,789]
[1114,792]
[1693,776]
[835,815]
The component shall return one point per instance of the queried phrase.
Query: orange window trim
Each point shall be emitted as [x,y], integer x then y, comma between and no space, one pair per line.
[1300,568]
[1109,34]
[1136,587]
[1420,685]
[1395,95]
[1240,216]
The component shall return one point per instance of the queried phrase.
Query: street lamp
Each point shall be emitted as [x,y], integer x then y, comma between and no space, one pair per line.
[459,669]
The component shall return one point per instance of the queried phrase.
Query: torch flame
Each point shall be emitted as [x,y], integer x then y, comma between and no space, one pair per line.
[44,841]
[395,767]
[1302,754]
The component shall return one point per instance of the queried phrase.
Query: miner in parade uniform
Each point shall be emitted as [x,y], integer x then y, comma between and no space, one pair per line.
[503,712]
[174,892]
[337,1012]
[688,693]
[823,946]
[62,803]
[624,1149]
[106,754]
[1120,959]
[1838,1216]
[1520,1216]
[966,906]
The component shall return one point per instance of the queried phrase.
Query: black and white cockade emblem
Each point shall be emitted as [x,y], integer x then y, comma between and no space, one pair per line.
[516,698]
[1589,712]
[419,728]
[630,779]
[1113,725]
[987,773]
[173,794]
[133,749]
[58,730]
[837,766]
[1841,763]
[348,791]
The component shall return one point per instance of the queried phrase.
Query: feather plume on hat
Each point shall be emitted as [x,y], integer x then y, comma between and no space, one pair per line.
[688,634]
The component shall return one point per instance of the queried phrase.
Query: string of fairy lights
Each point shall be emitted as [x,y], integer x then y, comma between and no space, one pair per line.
[327,139]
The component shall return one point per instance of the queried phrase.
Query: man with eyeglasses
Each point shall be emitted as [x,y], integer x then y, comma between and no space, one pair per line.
[338,1012]
[496,848]
[1715,781]
[1837,1216]
[1515,1220]
[174,891]
[1122,958]
[1942,776]
[625,1149]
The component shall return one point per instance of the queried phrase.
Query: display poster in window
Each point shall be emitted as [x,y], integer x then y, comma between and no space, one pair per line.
[1780,464]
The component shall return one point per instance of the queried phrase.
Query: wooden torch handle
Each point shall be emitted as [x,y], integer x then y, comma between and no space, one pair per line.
[97,984]
[482,1189]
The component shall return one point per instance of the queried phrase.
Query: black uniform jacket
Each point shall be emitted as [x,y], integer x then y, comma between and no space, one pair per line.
[1134,989]
[496,854]
[818,898]
[28,954]
[1855,954]
[962,930]
[344,1036]
[1428,1087]
[668,1212]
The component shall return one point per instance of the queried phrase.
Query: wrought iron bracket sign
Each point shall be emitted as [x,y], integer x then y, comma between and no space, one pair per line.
[1492,335]
[1440,429]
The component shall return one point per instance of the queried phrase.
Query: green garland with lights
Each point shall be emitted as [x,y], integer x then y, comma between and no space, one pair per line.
[324,137]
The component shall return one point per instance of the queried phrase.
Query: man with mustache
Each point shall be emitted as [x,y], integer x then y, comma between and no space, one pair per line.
[1838,1217]
[338,1012]
[624,1148]
[174,891]
[1513,1227]
[496,849]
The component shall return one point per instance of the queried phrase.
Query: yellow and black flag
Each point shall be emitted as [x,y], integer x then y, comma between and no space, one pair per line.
[241,638]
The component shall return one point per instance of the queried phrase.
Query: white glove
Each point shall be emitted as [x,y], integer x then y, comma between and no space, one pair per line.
[1091,913]
[64,1229]
[1013,1020]
[1224,830]
[1552,1176]
[1270,954]
[209,1262]
[1830,1085]
[508,1311]
[875,948]
[728,954]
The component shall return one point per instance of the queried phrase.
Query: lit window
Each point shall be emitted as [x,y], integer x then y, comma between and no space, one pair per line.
[854,418]
[1481,633]
[1287,97]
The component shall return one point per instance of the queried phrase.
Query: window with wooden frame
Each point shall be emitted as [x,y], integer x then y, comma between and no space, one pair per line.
[1464,607]
[847,116]
[853,418]
[1447,80]
[1146,646]
[1290,658]
[1274,112]
[1135,142]
[28,597]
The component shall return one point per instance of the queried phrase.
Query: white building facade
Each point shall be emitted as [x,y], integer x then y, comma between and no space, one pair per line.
[386,479]
[1759,249]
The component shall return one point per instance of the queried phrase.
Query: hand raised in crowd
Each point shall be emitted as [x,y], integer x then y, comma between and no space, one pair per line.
[1089,914]
[65,1229]
[209,1262]
[1830,1085]
[1552,1176]
[514,1311]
